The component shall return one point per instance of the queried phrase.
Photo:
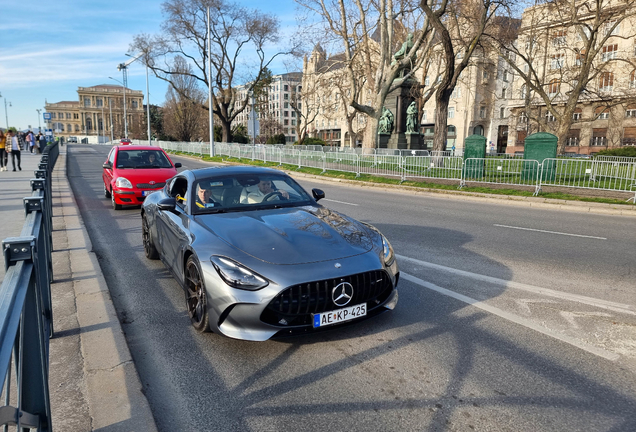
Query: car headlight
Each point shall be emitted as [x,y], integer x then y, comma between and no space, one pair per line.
[123,182]
[389,256]
[237,276]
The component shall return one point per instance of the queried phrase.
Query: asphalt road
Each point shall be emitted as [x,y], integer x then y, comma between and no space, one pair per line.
[509,319]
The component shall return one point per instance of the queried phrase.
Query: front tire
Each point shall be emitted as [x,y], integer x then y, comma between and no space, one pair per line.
[196,297]
[149,244]
[113,203]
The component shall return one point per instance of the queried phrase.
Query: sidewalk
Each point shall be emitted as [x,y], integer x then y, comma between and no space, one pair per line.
[93,382]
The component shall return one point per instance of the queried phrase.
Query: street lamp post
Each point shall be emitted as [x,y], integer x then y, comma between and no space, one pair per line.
[110,110]
[125,118]
[6,112]
[147,94]
[39,124]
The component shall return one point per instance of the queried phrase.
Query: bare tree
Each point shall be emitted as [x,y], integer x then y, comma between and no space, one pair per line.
[567,52]
[184,116]
[238,36]
[366,33]
[460,26]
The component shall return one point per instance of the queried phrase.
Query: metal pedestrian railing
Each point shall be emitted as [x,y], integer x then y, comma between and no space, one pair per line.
[601,172]
[26,313]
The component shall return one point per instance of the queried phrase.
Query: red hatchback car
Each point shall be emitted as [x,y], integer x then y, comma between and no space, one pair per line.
[133,172]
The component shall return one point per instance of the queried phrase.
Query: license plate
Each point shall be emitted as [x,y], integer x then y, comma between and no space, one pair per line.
[340,315]
[146,193]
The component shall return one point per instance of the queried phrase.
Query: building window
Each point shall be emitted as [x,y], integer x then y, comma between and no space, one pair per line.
[573,138]
[602,113]
[549,117]
[286,96]
[558,38]
[630,113]
[576,115]
[599,137]
[606,82]
[482,112]
[557,61]
[135,104]
[523,118]
[87,102]
[423,115]
[451,112]
[609,30]
[285,122]
[632,80]
[293,122]
[503,93]
[553,87]
[69,128]
[286,105]
[89,124]
[457,93]
[68,116]
[77,129]
[524,91]
[293,113]
[484,75]
[52,115]
[286,113]
[610,52]
[285,87]
[505,76]
[478,130]
[100,102]
[451,131]
[502,113]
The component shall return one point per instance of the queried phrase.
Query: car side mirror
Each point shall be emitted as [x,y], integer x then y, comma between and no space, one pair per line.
[167,204]
[177,165]
[318,194]
[107,165]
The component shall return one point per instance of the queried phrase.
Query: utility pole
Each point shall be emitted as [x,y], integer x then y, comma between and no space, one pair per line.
[6,113]
[110,110]
[39,124]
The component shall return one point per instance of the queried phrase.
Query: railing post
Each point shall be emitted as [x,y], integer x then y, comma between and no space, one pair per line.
[33,409]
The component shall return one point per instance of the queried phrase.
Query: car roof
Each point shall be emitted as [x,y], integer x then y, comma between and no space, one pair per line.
[219,171]
[138,147]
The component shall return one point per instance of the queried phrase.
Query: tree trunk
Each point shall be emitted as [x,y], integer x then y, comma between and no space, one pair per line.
[226,129]
[441,120]
[370,136]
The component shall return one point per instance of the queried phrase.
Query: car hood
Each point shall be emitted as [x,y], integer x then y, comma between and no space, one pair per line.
[141,175]
[296,235]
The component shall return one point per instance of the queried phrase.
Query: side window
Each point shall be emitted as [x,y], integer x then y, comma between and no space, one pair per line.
[179,189]
[111,156]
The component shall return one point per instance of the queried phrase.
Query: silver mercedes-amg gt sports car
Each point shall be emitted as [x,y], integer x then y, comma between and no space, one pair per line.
[258,257]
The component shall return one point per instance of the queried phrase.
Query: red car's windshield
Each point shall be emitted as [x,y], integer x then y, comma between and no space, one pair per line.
[142,159]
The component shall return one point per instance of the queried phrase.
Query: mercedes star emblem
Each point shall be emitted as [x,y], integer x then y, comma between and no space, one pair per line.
[342,294]
[338,265]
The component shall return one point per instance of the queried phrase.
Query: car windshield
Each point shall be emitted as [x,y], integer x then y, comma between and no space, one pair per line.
[146,159]
[247,192]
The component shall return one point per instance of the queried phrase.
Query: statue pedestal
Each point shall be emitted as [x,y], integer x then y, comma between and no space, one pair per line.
[398,101]
[383,140]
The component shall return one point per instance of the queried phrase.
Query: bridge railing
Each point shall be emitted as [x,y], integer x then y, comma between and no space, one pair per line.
[26,313]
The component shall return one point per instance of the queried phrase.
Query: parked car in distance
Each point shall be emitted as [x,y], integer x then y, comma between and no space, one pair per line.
[125,141]
[257,256]
[132,173]
[71,140]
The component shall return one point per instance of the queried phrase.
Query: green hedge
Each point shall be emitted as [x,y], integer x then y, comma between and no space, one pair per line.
[623,151]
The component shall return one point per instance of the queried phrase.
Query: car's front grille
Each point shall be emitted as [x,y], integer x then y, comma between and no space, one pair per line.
[295,305]
[150,186]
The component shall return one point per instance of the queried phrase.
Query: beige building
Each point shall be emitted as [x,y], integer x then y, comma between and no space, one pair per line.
[605,114]
[91,114]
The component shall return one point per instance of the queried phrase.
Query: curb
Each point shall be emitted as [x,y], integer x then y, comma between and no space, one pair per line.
[519,201]
[113,389]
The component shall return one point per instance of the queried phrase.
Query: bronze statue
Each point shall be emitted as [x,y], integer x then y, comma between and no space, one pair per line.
[385,125]
[404,50]
[411,118]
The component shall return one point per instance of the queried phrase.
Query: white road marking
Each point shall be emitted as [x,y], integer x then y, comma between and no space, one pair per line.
[523,304]
[513,318]
[549,232]
[603,304]
[340,202]
[569,316]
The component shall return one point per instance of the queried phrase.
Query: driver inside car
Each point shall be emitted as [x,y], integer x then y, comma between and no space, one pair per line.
[204,197]
[265,188]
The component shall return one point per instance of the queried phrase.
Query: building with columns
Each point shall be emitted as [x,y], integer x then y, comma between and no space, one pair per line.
[91,114]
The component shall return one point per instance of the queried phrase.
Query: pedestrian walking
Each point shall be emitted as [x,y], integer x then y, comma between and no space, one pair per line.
[3,152]
[42,142]
[13,143]
[30,142]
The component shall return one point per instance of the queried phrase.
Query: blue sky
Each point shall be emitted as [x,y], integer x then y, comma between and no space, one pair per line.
[49,48]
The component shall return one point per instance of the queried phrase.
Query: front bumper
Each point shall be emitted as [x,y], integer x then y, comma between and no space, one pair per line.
[239,314]
[131,196]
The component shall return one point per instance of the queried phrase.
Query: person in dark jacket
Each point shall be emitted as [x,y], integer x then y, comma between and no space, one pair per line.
[13,146]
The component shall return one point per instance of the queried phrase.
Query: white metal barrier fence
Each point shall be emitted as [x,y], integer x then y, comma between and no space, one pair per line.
[602,172]
[589,174]
[517,172]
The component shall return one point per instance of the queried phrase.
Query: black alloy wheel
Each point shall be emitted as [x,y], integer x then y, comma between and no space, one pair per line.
[106,192]
[149,244]
[196,301]
[113,203]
